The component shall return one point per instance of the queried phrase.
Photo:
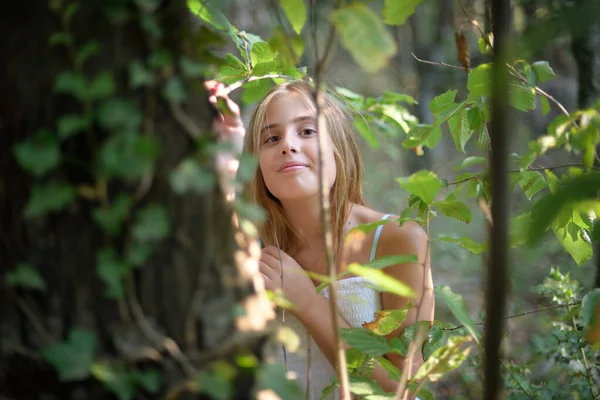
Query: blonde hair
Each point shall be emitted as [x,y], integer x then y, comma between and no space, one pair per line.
[346,189]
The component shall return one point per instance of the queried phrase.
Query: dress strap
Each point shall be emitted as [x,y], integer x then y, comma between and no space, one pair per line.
[376,238]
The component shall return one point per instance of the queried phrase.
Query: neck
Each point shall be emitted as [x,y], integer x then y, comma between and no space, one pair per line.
[304,215]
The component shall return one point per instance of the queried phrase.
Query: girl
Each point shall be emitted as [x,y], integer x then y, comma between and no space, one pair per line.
[283,136]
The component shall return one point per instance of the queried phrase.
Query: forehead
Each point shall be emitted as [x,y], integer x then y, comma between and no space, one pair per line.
[287,107]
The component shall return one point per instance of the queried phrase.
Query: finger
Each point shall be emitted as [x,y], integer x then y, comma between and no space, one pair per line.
[268,282]
[266,269]
[271,260]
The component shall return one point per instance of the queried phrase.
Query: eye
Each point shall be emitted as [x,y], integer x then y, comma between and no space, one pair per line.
[271,139]
[308,132]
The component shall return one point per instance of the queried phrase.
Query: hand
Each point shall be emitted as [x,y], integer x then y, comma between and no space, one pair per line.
[228,123]
[297,287]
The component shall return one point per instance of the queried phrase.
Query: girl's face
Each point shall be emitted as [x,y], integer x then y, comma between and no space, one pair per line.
[288,152]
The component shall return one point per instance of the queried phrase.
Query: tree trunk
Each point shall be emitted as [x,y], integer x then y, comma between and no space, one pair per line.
[191,285]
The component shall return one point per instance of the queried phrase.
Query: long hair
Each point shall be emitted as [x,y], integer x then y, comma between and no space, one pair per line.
[347,187]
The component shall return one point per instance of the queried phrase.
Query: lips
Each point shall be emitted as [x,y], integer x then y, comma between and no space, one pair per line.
[292,166]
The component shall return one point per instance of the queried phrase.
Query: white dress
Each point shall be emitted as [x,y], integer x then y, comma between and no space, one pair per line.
[357,303]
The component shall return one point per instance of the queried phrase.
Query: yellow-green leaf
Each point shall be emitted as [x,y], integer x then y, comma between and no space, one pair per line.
[381,280]
[295,11]
[424,184]
[396,12]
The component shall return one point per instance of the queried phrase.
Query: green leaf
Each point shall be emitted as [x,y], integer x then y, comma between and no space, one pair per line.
[434,341]
[72,358]
[139,75]
[295,11]
[571,191]
[25,276]
[532,182]
[397,12]
[110,219]
[370,227]
[442,103]
[354,359]
[387,321]
[214,385]
[128,157]
[470,161]
[466,243]
[102,86]
[456,304]
[272,376]
[460,129]
[189,176]
[543,70]
[365,341]
[386,261]
[424,184]
[138,253]
[40,154]
[150,380]
[151,27]
[422,135]
[280,45]
[364,386]
[362,127]
[521,97]
[423,394]
[174,90]
[256,90]
[577,247]
[115,378]
[589,308]
[392,371]
[47,197]
[71,124]
[112,271]
[363,34]
[191,68]
[119,115]
[382,281]
[209,14]
[59,38]
[261,53]
[454,209]
[73,83]
[545,105]
[329,389]
[475,117]
[86,51]
[70,10]
[151,224]
[444,359]
[596,231]
[479,80]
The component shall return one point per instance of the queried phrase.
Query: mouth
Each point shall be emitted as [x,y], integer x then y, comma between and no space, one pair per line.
[292,166]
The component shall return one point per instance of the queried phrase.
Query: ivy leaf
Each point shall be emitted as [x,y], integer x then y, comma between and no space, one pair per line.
[460,129]
[364,36]
[51,196]
[119,115]
[424,184]
[365,341]
[191,68]
[73,357]
[397,12]
[150,380]
[115,378]
[295,11]
[86,51]
[479,80]
[174,90]
[102,86]
[40,154]
[128,157]
[387,321]
[151,224]
[137,253]
[214,385]
[381,280]
[543,71]
[272,376]
[458,307]
[71,124]
[521,97]
[470,161]
[140,76]
[112,271]
[25,276]
[532,182]
[73,83]
[189,176]
[443,102]
[455,209]
[110,219]
[444,359]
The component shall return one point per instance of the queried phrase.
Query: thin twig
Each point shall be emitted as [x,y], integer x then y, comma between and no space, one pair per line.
[160,340]
[35,321]
[517,315]
[342,372]
[185,121]
[438,63]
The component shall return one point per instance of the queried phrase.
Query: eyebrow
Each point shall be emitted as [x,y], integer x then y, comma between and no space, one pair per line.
[295,120]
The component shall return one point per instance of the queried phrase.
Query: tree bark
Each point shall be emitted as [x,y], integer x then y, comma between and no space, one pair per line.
[189,288]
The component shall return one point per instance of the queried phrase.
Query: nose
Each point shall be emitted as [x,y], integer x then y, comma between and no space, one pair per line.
[289,144]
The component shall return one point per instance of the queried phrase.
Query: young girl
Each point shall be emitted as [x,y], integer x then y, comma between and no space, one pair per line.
[283,136]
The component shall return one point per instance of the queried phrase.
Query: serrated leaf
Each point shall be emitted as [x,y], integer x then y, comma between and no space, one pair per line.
[261,53]
[280,45]
[209,14]
[189,176]
[479,80]
[397,12]
[51,196]
[454,209]
[256,90]
[521,97]
[457,305]
[295,11]
[579,249]
[151,224]
[363,34]
[112,271]
[422,135]
[110,219]
[382,281]
[40,154]
[434,341]
[424,184]
[387,321]
[25,276]
[71,124]
[443,102]
[444,359]
[532,182]
[73,357]
[460,129]
[470,161]
[365,341]
[543,70]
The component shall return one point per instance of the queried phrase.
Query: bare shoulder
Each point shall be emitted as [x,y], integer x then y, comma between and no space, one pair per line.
[408,238]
